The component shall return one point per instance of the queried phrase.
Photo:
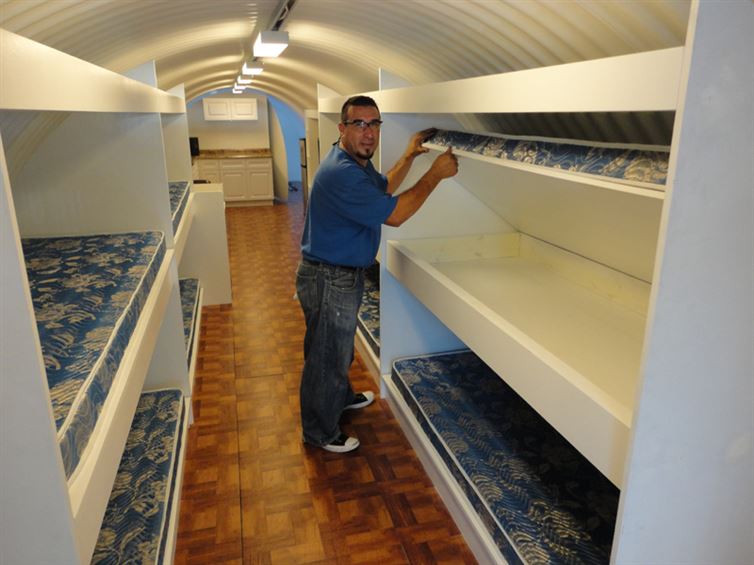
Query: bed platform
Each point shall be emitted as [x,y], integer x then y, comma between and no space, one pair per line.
[369,314]
[190,304]
[535,495]
[88,293]
[140,522]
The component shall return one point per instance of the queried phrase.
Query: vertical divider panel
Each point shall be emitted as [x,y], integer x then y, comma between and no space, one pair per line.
[34,503]
[689,489]
[175,134]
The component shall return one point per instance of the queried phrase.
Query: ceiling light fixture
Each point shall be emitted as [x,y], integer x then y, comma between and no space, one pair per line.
[241,80]
[252,69]
[270,43]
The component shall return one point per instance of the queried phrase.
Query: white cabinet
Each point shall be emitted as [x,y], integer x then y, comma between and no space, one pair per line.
[209,169]
[245,180]
[230,109]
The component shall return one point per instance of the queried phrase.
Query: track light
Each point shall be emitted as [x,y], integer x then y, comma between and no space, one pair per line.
[252,69]
[270,43]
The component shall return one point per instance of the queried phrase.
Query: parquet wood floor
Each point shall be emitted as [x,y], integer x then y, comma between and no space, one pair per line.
[253,493]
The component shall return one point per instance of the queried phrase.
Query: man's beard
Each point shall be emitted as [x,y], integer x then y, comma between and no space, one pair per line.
[365,155]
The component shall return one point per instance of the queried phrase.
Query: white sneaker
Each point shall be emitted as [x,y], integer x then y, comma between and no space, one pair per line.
[342,444]
[361,400]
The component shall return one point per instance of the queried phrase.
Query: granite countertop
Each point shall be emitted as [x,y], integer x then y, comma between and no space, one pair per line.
[234,153]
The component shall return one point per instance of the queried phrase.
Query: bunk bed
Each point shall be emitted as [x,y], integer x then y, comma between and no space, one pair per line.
[539,260]
[94,318]
[88,293]
[137,523]
[539,499]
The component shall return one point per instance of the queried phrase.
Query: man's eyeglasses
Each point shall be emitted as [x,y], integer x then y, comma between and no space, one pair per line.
[362,125]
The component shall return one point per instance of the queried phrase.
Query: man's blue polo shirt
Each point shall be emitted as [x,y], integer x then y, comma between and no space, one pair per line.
[348,205]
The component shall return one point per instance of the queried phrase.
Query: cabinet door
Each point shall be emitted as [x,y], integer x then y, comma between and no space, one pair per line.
[235,179]
[208,169]
[260,173]
[217,109]
[243,109]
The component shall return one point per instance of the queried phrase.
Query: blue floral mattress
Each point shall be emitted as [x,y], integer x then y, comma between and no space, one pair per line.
[135,526]
[87,294]
[179,193]
[619,163]
[368,318]
[190,306]
[541,501]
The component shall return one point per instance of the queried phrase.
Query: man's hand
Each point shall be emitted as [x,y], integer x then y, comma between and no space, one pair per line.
[446,165]
[415,143]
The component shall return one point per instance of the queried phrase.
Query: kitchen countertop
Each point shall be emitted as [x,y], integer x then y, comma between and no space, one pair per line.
[234,154]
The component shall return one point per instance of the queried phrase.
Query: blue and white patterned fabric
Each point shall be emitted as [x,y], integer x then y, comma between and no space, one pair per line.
[179,193]
[189,304]
[628,164]
[87,294]
[542,502]
[368,318]
[136,520]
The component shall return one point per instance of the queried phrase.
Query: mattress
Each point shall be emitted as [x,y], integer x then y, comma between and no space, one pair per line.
[368,319]
[190,305]
[87,294]
[179,193]
[540,500]
[629,164]
[134,529]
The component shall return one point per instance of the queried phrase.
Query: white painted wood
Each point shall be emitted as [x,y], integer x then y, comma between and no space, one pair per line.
[612,223]
[570,352]
[206,254]
[636,82]
[175,511]
[261,185]
[195,338]
[230,109]
[184,228]
[79,86]
[96,173]
[34,501]
[387,80]
[371,362]
[92,481]
[689,492]
[473,530]
[175,134]
[168,367]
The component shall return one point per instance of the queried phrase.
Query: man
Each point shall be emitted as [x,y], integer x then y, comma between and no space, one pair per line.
[349,203]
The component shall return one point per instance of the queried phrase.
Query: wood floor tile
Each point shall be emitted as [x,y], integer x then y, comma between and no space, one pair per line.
[253,493]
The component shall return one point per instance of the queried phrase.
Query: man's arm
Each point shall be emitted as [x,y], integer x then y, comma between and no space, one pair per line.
[399,171]
[445,166]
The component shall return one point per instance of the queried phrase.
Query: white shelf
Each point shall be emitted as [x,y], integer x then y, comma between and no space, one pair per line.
[79,86]
[628,83]
[524,307]
[184,228]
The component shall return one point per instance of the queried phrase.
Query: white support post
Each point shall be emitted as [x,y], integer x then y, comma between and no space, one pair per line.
[689,492]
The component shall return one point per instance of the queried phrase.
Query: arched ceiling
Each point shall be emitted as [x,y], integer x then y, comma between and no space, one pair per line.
[342,43]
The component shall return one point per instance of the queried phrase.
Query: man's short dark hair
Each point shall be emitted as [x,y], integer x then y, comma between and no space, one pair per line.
[356,101]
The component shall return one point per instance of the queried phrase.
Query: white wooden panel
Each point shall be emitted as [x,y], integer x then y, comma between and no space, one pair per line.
[96,173]
[243,109]
[206,254]
[27,66]
[216,109]
[689,493]
[608,222]
[627,83]
[175,134]
[34,501]
[168,367]
[184,228]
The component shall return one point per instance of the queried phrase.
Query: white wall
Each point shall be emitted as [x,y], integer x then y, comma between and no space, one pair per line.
[279,158]
[229,135]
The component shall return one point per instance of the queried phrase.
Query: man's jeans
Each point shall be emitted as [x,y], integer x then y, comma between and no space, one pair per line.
[330,297]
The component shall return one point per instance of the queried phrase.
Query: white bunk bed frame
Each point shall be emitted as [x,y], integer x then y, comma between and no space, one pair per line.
[677,438]
[129,138]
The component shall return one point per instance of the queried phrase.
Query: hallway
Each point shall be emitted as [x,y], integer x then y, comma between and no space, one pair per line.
[252,492]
